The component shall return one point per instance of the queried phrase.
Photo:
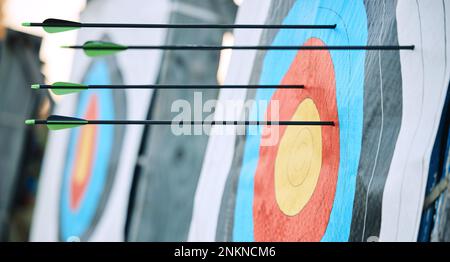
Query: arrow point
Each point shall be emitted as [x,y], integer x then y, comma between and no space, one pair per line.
[65,46]
[26,24]
[35,86]
[30,122]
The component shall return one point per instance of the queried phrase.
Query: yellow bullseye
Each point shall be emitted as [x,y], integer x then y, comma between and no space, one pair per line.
[298,161]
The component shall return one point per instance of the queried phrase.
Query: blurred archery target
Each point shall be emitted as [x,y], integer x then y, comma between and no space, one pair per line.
[110,212]
[282,196]
[92,156]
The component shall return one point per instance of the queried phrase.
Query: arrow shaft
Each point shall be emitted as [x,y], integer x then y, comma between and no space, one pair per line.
[174,87]
[206,47]
[225,123]
[212,123]
[186,26]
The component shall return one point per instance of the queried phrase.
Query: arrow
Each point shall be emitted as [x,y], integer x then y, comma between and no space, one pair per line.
[62,122]
[64,88]
[52,25]
[100,48]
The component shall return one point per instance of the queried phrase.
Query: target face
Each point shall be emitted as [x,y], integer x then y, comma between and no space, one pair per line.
[302,188]
[92,156]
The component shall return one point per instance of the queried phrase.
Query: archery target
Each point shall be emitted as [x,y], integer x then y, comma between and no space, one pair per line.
[253,219]
[389,106]
[92,156]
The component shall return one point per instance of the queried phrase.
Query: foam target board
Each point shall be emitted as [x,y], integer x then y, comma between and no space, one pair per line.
[362,179]
[87,172]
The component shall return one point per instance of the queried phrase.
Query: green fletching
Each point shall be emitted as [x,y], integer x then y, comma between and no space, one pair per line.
[61,92]
[64,88]
[57,25]
[55,122]
[60,125]
[52,29]
[98,48]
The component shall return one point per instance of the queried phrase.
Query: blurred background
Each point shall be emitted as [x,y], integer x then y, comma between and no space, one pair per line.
[119,200]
